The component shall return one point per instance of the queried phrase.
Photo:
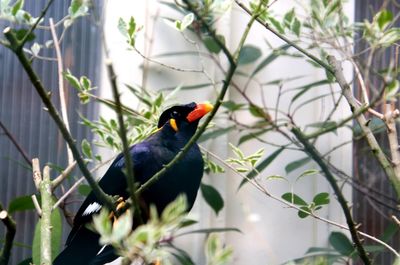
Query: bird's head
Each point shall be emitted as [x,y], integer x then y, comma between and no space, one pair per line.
[184,116]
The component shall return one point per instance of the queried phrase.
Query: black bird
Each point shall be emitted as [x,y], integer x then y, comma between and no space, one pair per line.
[176,126]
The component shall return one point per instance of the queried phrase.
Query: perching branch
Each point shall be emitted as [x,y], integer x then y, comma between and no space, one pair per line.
[316,156]
[362,121]
[9,222]
[45,96]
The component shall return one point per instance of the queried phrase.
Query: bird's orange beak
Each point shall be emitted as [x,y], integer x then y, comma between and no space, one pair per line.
[200,110]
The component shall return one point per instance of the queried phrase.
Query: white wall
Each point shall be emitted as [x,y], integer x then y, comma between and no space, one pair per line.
[272,233]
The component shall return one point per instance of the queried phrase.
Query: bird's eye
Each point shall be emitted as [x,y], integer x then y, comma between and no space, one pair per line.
[175,114]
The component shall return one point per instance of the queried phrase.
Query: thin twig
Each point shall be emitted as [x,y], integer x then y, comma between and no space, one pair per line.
[16,144]
[11,227]
[61,89]
[36,204]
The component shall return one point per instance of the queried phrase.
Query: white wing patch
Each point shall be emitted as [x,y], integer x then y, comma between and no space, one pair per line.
[93,207]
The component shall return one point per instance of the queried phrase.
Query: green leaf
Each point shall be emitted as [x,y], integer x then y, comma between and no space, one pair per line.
[276,177]
[288,17]
[122,27]
[35,49]
[20,34]
[249,54]
[210,230]
[212,197]
[392,89]
[341,243]
[186,21]
[384,18]
[86,148]
[175,210]
[22,203]
[294,198]
[132,27]
[308,172]
[259,112]
[85,83]
[212,45]
[277,25]
[56,233]
[262,165]
[296,164]
[187,222]
[182,256]
[321,198]
[84,189]
[232,106]
[72,80]
[390,37]
[215,133]
[270,58]
[303,214]
[122,227]
[17,6]
[333,7]
[296,27]
[75,5]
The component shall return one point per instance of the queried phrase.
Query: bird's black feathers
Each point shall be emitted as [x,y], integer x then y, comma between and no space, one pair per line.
[149,156]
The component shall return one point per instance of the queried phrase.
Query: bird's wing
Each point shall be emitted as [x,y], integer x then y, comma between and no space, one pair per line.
[113,183]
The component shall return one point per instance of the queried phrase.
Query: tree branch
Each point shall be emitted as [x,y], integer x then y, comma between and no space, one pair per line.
[316,156]
[45,96]
[130,175]
[362,121]
[9,222]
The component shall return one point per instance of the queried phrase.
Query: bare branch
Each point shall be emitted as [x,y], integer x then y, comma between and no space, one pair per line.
[61,89]
[57,181]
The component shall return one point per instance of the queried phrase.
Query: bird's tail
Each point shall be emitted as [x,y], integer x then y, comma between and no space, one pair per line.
[80,250]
